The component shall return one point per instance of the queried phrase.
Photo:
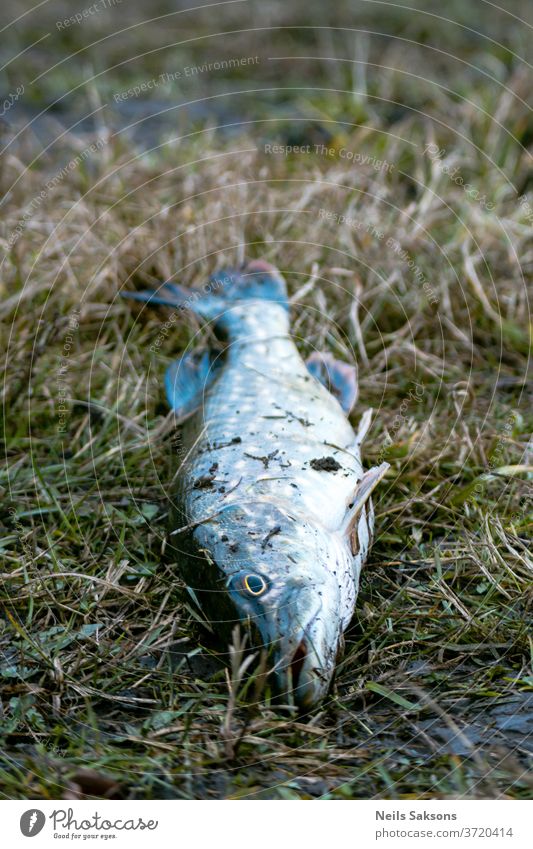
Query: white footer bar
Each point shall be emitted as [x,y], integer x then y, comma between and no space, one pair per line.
[306,825]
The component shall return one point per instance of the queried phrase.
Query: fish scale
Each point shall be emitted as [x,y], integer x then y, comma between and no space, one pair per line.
[271,520]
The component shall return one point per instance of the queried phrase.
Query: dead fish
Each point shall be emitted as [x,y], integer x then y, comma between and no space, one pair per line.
[272,519]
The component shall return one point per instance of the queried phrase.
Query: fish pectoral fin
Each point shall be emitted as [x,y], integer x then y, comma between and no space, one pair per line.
[187,379]
[364,427]
[339,378]
[362,493]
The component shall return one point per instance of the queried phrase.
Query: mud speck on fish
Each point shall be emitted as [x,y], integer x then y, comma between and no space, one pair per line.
[204,481]
[325,464]
[271,533]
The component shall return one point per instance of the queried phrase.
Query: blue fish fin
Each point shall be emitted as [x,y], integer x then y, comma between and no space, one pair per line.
[168,295]
[339,378]
[258,280]
[186,380]
[173,295]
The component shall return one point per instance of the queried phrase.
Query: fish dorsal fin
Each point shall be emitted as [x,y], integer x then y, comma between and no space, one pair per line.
[187,379]
[362,493]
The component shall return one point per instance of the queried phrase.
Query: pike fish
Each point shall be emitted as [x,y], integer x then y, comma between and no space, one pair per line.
[272,517]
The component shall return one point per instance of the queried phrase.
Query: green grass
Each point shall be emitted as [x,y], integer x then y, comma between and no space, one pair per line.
[110,687]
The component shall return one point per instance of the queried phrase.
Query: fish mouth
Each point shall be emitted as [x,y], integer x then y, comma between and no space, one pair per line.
[307,677]
[303,674]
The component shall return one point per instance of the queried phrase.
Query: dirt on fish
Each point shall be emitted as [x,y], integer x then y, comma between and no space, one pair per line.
[265,460]
[325,464]
[271,533]
[204,481]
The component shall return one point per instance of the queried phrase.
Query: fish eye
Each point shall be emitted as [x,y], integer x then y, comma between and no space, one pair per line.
[249,584]
[254,584]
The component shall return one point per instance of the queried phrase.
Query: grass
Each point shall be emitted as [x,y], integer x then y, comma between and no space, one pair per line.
[111,687]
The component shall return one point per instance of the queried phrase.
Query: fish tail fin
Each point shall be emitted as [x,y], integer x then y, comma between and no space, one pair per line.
[257,280]
[171,294]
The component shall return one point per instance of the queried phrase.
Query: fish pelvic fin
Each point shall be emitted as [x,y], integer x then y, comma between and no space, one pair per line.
[363,491]
[339,378]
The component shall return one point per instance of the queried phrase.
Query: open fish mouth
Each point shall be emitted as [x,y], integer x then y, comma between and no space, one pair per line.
[307,676]
[305,669]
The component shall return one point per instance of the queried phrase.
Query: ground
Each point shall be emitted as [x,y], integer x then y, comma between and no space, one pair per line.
[401,217]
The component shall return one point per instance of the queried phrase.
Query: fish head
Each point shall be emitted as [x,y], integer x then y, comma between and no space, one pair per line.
[295,583]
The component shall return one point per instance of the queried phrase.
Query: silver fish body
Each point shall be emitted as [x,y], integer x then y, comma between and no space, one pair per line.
[272,518]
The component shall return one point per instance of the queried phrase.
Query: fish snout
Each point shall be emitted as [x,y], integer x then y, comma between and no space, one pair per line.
[309,675]
[306,661]
[301,624]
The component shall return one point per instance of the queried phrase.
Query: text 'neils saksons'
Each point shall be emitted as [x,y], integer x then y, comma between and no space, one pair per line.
[413,815]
